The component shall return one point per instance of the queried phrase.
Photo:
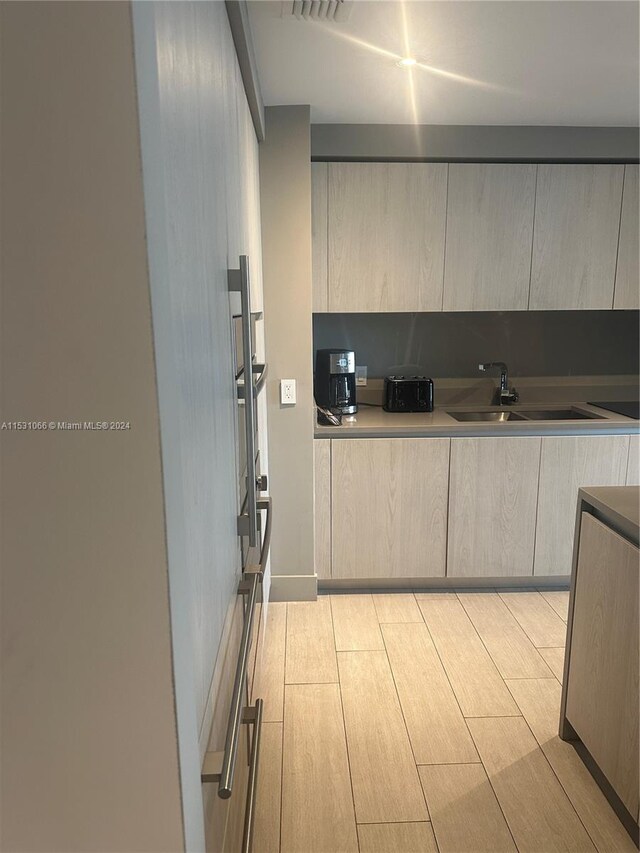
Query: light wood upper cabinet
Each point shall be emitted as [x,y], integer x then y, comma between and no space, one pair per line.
[517,236]
[492,506]
[575,237]
[627,292]
[567,463]
[386,234]
[489,236]
[389,507]
[319,219]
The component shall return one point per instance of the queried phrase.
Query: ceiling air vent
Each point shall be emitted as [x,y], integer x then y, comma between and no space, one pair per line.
[318,10]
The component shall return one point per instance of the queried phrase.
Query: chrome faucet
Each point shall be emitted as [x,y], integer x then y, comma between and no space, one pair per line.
[504,395]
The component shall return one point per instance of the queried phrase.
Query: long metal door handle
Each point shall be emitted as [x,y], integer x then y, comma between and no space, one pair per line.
[266,503]
[252,787]
[261,371]
[227,770]
[259,568]
[239,280]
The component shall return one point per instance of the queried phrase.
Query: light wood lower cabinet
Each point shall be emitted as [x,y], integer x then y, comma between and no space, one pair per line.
[322,507]
[492,506]
[501,506]
[389,507]
[633,465]
[602,688]
[567,463]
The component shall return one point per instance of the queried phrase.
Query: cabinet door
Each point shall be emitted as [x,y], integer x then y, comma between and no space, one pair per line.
[627,293]
[492,506]
[322,506]
[319,219]
[489,236]
[567,463]
[389,507]
[386,236]
[575,237]
[633,464]
[602,690]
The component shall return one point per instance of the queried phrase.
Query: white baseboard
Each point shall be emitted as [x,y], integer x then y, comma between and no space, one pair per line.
[293,588]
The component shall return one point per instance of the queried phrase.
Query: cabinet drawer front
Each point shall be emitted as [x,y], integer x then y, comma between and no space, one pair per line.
[492,506]
[389,507]
[602,690]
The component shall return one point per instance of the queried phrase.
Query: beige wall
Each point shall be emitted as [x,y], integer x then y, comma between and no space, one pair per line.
[285,193]
[89,755]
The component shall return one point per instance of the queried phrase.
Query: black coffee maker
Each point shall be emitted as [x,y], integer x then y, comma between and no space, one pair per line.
[335,381]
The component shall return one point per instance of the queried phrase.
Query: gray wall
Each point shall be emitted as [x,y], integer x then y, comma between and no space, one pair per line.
[285,190]
[533,343]
[200,160]
[451,143]
[89,753]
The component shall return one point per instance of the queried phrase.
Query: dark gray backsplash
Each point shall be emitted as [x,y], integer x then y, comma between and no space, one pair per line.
[451,344]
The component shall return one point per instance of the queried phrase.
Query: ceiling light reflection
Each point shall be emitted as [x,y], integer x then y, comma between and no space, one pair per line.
[399,57]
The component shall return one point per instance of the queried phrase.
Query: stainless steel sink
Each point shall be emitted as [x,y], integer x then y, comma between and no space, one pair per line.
[495,417]
[571,414]
[504,415]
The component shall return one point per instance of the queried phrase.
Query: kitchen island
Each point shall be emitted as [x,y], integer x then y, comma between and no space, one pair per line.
[599,710]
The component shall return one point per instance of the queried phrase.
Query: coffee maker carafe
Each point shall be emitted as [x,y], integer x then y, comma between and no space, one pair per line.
[335,381]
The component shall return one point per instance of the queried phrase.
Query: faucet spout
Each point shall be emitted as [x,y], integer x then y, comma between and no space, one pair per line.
[504,395]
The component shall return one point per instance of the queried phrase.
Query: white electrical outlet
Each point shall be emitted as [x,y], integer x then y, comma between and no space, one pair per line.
[361,374]
[287,392]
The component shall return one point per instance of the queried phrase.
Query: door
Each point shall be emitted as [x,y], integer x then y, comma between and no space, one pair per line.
[627,292]
[319,221]
[386,236]
[322,507]
[492,506]
[489,236]
[633,465]
[575,238]
[567,463]
[389,507]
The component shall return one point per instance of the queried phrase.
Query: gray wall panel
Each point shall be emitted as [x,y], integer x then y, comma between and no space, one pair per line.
[452,143]
[533,343]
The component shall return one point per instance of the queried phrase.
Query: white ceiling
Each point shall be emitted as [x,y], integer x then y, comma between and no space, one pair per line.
[541,62]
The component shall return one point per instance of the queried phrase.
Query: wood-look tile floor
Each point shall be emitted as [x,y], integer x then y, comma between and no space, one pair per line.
[400,723]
